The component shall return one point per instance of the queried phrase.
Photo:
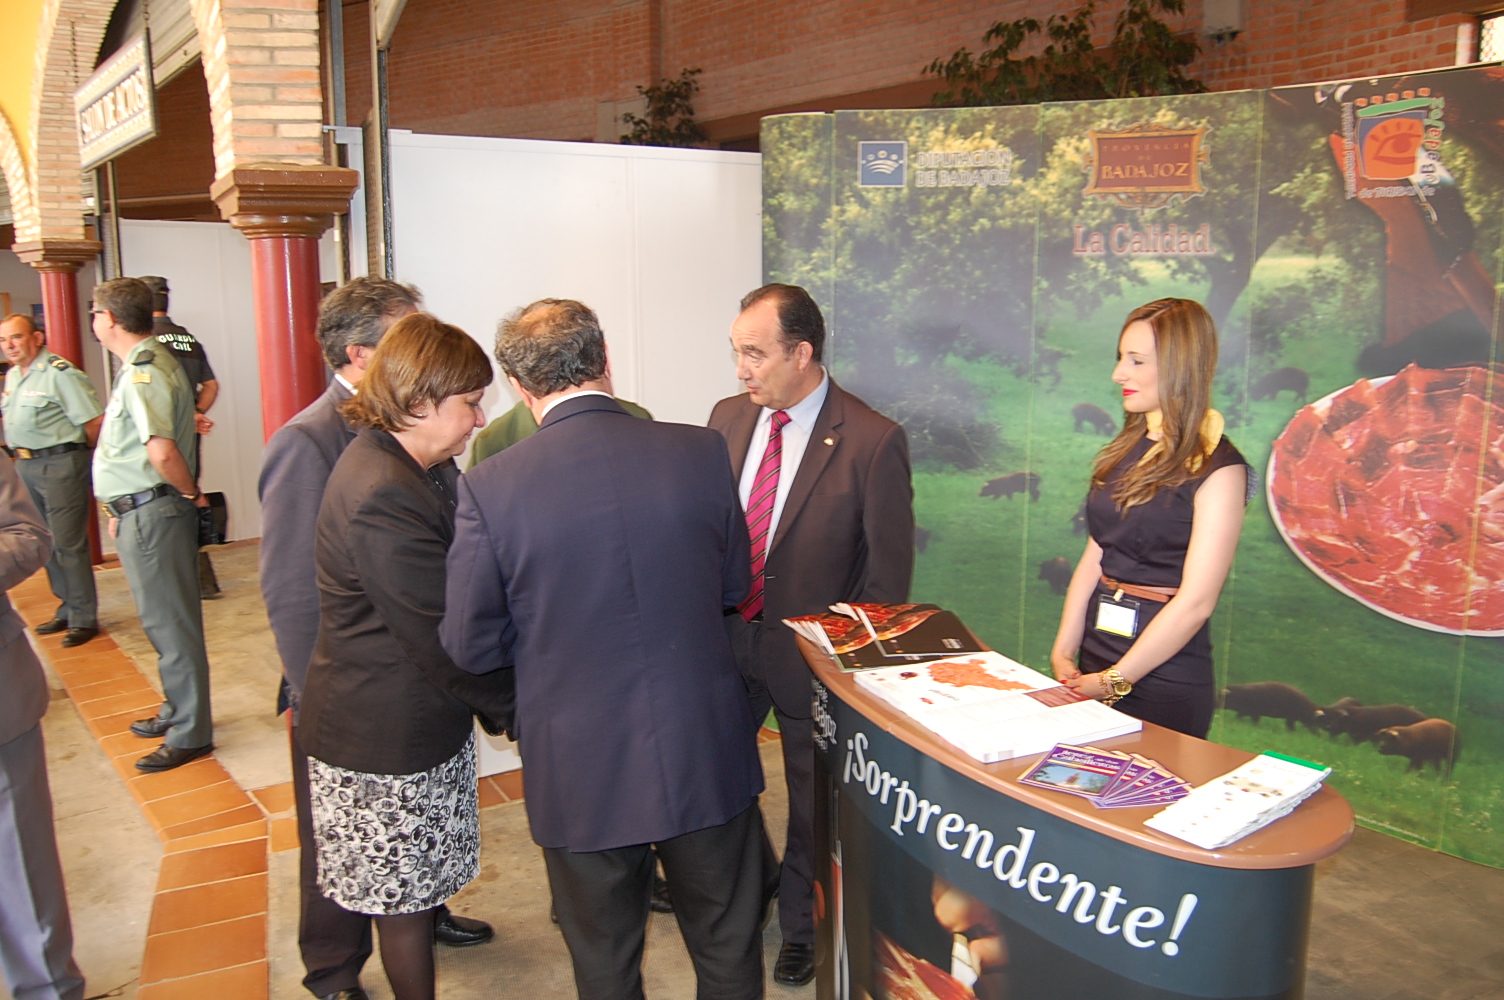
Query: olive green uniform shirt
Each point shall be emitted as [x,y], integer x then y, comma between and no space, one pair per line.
[151,398]
[518,423]
[47,403]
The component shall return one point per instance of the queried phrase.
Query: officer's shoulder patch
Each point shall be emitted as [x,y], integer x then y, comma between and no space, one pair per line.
[144,358]
[140,378]
[61,364]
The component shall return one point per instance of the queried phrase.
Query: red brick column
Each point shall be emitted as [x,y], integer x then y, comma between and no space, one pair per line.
[283,209]
[58,262]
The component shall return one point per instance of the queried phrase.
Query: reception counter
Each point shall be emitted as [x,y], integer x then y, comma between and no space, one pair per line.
[933,869]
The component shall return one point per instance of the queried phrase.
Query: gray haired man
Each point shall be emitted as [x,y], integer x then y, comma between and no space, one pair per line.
[295,467]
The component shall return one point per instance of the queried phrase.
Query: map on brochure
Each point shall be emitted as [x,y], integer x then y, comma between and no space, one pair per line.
[960,680]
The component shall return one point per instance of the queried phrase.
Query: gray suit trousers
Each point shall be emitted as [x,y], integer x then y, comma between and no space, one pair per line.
[36,938]
[59,486]
[158,546]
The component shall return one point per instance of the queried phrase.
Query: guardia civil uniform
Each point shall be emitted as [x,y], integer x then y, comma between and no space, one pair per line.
[157,537]
[46,405]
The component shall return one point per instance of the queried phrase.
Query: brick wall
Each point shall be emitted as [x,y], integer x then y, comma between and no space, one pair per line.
[544,68]
[169,177]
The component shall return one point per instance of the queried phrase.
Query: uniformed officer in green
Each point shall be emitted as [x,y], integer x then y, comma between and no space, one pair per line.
[145,475]
[52,417]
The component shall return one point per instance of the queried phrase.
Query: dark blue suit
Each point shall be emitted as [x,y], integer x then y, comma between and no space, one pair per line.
[596,558]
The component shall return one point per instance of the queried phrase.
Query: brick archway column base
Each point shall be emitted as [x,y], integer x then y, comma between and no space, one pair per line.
[58,262]
[283,210]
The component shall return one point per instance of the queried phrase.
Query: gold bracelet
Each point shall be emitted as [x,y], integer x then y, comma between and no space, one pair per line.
[1115,685]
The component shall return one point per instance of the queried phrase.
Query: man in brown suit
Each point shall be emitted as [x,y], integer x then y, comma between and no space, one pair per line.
[825,484]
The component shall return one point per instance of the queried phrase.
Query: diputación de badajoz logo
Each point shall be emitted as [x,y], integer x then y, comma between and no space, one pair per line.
[882,164]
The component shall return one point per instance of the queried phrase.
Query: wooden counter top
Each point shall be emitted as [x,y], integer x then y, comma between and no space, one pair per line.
[1317,829]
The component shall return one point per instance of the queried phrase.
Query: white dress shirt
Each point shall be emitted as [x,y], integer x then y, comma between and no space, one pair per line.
[344,382]
[796,434]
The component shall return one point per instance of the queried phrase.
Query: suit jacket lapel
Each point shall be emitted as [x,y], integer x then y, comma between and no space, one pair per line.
[817,455]
[739,434]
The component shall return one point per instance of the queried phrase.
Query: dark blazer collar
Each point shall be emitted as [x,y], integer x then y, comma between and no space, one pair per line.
[579,404]
[336,390]
[446,471]
[824,439]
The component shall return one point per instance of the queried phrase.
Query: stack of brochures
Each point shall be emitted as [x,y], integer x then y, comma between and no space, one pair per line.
[1111,779]
[993,708]
[862,636]
[1249,798]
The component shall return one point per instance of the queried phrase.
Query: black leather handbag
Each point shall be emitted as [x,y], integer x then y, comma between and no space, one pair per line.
[213,521]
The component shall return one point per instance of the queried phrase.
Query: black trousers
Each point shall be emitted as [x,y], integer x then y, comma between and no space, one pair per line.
[335,942]
[715,880]
[796,883]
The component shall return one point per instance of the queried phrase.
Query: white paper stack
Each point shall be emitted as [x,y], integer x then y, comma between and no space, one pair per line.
[1249,798]
[993,708]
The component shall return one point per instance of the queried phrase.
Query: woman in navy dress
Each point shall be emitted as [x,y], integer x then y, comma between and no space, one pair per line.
[1164,514]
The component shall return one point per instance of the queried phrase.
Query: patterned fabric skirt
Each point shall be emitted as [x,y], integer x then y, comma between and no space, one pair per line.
[396,843]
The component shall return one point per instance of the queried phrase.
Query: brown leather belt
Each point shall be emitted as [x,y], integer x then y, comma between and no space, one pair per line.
[1160,594]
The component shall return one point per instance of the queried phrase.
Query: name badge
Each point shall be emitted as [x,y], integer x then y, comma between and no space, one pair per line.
[1117,617]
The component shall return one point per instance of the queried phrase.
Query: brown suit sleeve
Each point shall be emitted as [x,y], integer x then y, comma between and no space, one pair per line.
[888,522]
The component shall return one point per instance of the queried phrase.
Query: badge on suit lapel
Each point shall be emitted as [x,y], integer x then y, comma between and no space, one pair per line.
[830,441]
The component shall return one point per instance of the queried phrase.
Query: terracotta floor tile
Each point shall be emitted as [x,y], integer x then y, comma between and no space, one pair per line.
[208,904]
[284,834]
[214,794]
[274,798]
[510,783]
[201,773]
[100,644]
[211,864]
[204,949]
[112,725]
[237,834]
[244,982]
[81,693]
[248,813]
[101,668]
[126,744]
[143,701]
[490,795]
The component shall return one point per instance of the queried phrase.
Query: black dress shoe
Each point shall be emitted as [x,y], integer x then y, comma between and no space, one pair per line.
[52,627]
[79,636]
[150,729]
[165,758]
[355,993]
[795,965]
[661,903]
[461,932]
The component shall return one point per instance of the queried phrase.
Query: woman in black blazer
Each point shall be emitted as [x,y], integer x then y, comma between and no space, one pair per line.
[386,715]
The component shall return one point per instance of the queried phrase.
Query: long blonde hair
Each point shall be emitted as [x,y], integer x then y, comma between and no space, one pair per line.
[1185,345]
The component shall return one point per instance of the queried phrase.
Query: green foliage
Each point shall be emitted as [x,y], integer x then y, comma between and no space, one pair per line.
[1144,58]
[669,119]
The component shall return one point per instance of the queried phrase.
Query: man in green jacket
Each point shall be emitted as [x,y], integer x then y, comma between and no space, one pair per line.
[518,423]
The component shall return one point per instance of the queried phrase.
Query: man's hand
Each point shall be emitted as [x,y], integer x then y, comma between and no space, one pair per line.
[202,423]
[114,526]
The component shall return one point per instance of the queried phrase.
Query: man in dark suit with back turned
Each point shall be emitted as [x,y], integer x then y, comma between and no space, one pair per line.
[295,467]
[595,558]
[824,480]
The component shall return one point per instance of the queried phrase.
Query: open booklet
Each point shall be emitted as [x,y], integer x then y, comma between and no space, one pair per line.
[1248,798]
[993,708]
[863,636]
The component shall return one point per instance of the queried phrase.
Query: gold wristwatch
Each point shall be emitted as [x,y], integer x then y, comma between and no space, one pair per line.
[1116,685]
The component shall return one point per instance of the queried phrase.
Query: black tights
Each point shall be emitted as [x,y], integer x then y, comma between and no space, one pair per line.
[407,953]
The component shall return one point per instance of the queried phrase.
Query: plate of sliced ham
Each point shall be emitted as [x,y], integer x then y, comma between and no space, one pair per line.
[1392,491]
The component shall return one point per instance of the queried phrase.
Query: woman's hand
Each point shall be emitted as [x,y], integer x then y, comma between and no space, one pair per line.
[1064,666]
[1090,685]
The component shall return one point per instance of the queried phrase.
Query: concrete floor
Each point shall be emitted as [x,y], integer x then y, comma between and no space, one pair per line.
[1390,921]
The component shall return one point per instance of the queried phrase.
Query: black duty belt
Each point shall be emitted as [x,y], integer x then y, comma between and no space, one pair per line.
[121,505]
[57,449]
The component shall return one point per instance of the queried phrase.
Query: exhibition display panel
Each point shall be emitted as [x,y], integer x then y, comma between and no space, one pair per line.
[938,876]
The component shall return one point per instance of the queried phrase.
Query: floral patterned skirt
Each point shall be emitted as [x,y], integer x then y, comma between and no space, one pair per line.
[396,843]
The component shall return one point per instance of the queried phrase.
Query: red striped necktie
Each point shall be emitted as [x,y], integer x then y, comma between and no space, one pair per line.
[760,511]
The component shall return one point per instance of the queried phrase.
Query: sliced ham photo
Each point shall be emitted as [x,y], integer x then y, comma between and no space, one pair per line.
[1392,491]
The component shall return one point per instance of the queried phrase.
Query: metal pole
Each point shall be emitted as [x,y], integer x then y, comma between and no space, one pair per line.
[109,223]
[337,59]
[380,234]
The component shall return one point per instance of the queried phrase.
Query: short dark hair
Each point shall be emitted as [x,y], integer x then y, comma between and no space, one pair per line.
[551,345]
[799,317]
[420,360]
[31,324]
[129,301]
[357,313]
[158,286]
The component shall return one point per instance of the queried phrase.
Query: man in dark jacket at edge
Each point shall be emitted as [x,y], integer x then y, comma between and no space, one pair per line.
[295,467]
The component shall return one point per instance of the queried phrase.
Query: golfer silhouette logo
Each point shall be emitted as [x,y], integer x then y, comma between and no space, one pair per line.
[882,164]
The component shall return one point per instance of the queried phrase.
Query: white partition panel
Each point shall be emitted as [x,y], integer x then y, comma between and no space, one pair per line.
[208,270]
[661,243]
